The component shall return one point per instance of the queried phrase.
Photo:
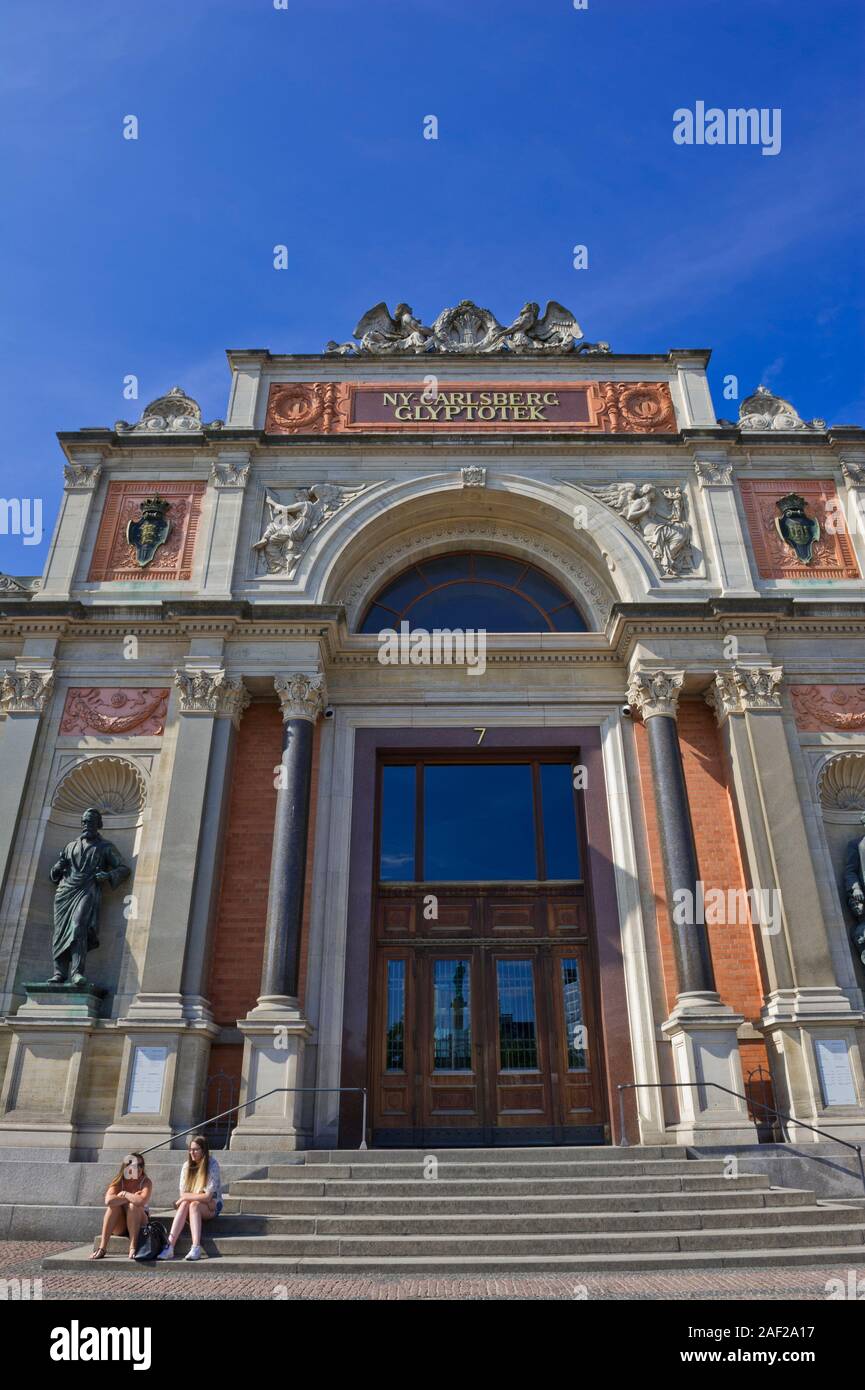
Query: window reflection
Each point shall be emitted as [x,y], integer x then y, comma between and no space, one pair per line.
[479,822]
[452,1012]
[491,592]
[518,1042]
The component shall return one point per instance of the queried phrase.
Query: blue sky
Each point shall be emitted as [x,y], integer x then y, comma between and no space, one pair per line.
[304,126]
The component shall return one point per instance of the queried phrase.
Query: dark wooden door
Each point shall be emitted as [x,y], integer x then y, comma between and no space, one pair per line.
[479,1040]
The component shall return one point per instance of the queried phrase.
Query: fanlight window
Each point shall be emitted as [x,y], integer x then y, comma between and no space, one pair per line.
[492,592]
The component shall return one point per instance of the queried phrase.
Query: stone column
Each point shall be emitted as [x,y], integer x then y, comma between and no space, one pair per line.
[807,1019]
[275,1031]
[169,1019]
[701,1029]
[81,477]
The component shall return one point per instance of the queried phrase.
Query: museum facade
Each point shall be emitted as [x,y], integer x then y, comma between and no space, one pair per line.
[481,721]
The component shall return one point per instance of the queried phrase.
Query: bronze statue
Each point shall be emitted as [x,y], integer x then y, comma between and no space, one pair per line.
[83,867]
[854,888]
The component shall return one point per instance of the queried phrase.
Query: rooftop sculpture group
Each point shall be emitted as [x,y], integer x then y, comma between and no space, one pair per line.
[466,328]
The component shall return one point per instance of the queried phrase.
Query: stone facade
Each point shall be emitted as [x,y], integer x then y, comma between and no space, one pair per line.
[213,702]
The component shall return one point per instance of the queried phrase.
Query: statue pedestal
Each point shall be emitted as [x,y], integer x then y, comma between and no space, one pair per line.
[46,1000]
[41,1091]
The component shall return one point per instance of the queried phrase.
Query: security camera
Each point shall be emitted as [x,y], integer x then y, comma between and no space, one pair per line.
[328,714]
[626,711]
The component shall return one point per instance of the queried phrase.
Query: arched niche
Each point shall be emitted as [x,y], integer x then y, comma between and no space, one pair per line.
[118,787]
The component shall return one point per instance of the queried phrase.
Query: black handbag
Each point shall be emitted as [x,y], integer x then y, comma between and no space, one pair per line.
[152,1240]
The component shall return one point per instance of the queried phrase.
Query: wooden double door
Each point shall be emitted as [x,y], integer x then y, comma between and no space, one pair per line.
[485,1019]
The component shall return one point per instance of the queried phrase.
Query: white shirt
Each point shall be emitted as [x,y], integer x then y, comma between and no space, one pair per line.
[213,1186]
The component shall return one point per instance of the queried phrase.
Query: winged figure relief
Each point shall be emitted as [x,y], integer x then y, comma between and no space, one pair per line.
[283,539]
[379,332]
[658,514]
[557,331]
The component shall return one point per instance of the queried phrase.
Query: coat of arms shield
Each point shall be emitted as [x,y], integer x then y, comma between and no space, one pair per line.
[149,531]
[797,530]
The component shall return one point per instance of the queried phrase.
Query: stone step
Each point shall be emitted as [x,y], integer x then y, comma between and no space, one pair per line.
[455,1170]
[266,1187]
[430,1205]
[489,1223]
[604,1242]
[576,1153]
[396,1266]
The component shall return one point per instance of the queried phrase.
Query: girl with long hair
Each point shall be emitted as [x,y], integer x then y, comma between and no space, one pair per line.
[126,1205]
[200,1196]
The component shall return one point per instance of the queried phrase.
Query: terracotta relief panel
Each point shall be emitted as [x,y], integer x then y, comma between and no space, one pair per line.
[832,555]
[115,710]
[115,558]
[827,708]
[597,407]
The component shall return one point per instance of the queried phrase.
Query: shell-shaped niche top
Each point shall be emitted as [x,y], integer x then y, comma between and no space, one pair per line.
[173,413]
[841,783]
[115,786]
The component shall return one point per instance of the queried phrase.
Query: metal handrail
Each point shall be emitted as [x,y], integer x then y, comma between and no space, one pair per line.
[277,1090]
[779,1114]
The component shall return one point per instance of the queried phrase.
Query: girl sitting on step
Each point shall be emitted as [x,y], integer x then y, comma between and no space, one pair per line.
[126,1205]
[200,1196]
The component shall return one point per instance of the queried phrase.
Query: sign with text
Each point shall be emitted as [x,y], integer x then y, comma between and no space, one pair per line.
[432,406]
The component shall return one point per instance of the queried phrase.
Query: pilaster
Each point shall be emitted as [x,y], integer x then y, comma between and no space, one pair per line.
[809,1024]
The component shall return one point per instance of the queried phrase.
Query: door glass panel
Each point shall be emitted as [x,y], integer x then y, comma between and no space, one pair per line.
[479,822]
[395,1036]
[575,1031]
[452,1014]
[518,1042]
[397,824]
[560,821]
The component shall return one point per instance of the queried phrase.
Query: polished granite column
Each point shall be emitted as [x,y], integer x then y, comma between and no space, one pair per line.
[275,1031]
[701,1029]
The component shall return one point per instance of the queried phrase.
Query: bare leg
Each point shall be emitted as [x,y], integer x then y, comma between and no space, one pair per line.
[134,1220]
[111,1219]
[179,1221]
[195,1221]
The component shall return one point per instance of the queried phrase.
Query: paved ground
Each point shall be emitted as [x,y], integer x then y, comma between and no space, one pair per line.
[22,1260]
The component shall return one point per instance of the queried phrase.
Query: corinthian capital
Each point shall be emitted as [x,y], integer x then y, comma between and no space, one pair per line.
[655,692]
[744,688]
[301,696]
[25,692]
[211,692]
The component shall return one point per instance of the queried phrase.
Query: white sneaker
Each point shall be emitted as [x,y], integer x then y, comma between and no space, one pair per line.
[194,1254]
[167,1253]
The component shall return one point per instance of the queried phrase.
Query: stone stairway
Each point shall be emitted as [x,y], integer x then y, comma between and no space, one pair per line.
[529,1210]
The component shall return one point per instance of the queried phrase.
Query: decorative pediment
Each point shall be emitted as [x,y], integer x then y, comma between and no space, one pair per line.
[173,413]
[466,328]
[764,411]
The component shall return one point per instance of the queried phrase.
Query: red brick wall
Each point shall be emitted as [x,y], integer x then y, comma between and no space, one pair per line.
[732,945]
[238,945]
[238,951]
